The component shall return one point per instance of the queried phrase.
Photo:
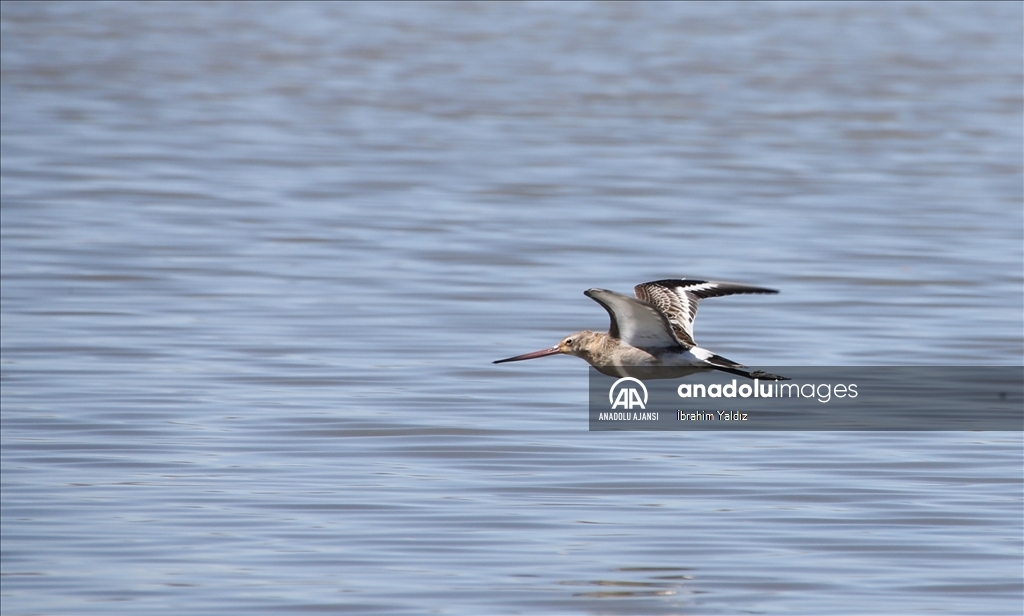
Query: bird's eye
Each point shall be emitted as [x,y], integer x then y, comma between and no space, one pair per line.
[568,340]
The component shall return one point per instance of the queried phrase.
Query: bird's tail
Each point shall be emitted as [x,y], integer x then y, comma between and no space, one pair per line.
[727,365]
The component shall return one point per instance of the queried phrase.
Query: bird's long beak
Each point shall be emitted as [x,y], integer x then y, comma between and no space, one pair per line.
[542,353]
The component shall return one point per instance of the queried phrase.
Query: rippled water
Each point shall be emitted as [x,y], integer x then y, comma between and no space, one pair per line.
[257,258]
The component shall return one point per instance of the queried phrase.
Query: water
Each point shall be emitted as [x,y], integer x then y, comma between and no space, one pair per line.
[256,260]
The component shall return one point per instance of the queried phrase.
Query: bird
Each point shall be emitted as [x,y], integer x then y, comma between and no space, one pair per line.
[651,335]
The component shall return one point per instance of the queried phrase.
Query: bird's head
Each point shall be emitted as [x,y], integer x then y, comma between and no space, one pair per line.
[579,344]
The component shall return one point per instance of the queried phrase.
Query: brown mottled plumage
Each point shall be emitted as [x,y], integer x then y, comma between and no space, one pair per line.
[654,331]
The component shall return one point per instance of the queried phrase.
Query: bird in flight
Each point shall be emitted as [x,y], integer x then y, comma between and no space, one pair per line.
[652,335]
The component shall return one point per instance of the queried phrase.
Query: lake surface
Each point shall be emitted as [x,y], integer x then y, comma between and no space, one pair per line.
[257,259]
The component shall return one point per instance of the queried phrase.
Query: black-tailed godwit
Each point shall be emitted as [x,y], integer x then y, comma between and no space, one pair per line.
[652,332]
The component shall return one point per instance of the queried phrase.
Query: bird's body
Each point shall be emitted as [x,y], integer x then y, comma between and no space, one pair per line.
[651,336]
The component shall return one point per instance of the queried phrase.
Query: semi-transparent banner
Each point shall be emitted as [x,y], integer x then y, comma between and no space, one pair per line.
[813,398]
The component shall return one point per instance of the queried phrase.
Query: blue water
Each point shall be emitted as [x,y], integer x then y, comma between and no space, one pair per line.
[257,259]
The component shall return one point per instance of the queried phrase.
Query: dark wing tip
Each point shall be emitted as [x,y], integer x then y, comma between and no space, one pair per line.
[613,325]
[675,282]
[687,282]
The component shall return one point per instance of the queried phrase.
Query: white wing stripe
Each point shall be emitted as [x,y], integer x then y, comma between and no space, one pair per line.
[678,300]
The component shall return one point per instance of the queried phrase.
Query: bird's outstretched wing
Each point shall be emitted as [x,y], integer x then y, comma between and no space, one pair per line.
[677,300]
[634,322]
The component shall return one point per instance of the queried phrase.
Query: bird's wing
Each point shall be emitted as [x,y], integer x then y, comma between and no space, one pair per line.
[678,299]
[634,322]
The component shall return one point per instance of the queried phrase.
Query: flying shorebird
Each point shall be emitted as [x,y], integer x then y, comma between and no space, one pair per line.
[652,336]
